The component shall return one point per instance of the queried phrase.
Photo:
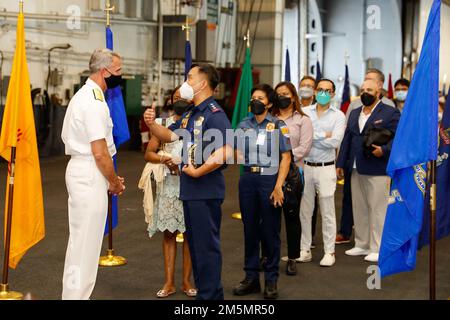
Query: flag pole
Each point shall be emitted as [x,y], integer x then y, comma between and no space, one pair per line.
[5,294]
[346,57]
[110,260]
[185,28]
[433,231]
[238,215]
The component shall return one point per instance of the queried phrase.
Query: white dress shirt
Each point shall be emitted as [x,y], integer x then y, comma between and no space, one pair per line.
[87,120]
[363,118]
[333,120]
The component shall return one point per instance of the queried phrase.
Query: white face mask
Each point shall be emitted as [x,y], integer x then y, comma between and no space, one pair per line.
[306,92]
[187,92]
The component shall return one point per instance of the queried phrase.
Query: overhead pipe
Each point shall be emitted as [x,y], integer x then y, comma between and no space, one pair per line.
[134,22]
[128,21]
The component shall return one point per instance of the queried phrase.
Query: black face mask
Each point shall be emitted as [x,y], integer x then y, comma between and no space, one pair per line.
[284,102]
[367,99]
[113,81]
[180,107]
[257,107]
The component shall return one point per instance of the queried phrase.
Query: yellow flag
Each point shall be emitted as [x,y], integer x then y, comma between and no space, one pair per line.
[18,130]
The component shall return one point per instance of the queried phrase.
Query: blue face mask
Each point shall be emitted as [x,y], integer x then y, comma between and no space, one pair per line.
[323,98]
[401,95]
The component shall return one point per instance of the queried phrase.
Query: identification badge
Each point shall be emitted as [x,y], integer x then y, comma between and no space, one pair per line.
[261,139]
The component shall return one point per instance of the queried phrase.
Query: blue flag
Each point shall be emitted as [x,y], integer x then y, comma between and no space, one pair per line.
[414,145]
[188,59]
[318,71]
[287,72]
[442,186]
[121,133]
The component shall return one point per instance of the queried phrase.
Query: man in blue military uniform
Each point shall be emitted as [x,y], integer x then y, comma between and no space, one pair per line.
[262,141]
[202,181]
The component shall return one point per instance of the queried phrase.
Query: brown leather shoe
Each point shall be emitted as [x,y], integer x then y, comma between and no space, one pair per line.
[340,239]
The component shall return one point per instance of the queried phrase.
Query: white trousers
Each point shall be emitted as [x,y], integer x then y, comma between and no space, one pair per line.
[88,205]
[321,181]
[370,197]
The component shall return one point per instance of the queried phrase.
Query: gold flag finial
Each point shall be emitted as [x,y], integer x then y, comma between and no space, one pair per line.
[108,10]
[247,38]
[347,56]
[187,28]
[21,6]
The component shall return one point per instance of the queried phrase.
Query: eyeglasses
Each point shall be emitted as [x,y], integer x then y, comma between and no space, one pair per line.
[329,91]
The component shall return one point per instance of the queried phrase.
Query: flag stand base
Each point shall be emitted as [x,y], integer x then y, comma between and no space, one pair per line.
[5,294]
[110,260]
[237,216]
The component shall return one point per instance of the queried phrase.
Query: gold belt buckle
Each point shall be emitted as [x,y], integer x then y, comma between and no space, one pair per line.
[255,169]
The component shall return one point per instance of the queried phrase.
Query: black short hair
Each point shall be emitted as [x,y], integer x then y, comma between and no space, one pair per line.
[308,78]
[211,73]
[326,80]
[172,95]
[403,82]
[269,91]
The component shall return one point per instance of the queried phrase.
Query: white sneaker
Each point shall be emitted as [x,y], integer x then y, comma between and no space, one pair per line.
[328,260]
[305,256]
[355,252]
[373,257]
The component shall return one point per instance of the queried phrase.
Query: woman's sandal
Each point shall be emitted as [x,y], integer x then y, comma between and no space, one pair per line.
[191,293]
[164,294]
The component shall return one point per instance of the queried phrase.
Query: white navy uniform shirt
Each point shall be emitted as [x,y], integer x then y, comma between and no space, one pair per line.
[87,120]
[333,120]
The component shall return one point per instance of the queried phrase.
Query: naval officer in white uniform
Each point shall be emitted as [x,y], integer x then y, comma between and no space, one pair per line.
[88,138]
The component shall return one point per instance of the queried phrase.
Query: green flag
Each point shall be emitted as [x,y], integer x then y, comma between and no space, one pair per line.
[244,93]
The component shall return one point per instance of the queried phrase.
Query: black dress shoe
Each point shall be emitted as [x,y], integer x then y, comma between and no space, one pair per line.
[271,291]
[247,287]
[291,268]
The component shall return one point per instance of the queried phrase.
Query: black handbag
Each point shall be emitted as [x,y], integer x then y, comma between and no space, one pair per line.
[376,136]
[293,186]
[293,189]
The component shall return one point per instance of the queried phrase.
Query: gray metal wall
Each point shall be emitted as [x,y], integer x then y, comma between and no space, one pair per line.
[377,47]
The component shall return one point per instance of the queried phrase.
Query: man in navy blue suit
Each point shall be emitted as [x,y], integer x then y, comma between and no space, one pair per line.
[370,183]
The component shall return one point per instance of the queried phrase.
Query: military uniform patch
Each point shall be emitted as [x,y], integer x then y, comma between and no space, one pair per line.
[285,131]
[184,123]
[199,122]
[214,109]
[98,95]
[270,127]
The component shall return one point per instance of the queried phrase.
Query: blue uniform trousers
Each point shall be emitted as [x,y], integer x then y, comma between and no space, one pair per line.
[347,209]
[262,224]
[203,219]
